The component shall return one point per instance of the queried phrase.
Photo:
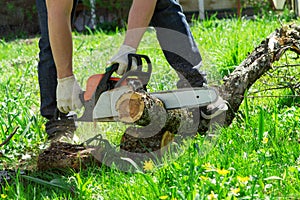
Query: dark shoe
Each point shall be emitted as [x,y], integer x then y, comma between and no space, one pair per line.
[61,124]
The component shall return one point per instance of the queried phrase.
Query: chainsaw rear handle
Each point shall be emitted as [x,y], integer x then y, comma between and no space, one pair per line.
[139,62]
[140,73]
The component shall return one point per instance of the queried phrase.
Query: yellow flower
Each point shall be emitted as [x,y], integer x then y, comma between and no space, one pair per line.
[212,195]
[163,197]
[243,179]
[265,140]
[204,178]
[222,171]
[3,196]
[235,191]
[43,127]
[208,166]
[148,165]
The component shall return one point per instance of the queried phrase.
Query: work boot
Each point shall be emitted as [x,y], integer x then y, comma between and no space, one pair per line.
[60,125]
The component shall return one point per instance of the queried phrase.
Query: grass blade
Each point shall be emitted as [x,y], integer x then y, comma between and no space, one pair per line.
[261,124]
[53,183]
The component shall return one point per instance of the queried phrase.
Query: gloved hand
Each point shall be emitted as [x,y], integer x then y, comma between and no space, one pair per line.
[67,94]
[122,59]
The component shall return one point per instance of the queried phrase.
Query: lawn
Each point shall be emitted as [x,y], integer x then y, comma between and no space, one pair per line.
[256,157]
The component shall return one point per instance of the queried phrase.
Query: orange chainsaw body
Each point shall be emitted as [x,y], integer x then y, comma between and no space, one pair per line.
[93,82]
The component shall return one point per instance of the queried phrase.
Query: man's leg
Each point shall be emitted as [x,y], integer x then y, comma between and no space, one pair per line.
[181,51]
[177,43]
[46,67]
[47,76]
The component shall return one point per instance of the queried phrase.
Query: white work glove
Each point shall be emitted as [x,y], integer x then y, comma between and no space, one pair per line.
[122,59]
[67,94]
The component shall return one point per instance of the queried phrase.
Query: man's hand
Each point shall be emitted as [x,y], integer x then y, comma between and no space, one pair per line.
[122,59]
[67,94]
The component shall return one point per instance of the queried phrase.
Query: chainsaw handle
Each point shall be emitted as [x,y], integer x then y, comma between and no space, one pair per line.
[143,76]
[139,63]
[103,85]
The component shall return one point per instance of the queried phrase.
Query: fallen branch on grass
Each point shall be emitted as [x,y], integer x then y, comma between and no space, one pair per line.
[257,64]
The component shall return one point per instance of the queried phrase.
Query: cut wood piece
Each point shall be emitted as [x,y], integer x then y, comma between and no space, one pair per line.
[154,146]
[134,140]
[141,108]
[130,107]
[61,155]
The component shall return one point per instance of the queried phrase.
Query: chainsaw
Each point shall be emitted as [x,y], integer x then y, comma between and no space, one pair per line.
[103,91]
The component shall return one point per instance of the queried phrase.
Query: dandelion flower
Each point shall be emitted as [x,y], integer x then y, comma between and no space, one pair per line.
[212,196]
[235,191]
[243,180]
[148,165]
[208,166]
[163,197]
[265,140]
[222,172]
[3,196]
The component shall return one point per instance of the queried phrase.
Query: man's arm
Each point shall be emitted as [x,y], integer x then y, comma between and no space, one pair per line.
[60,35]
[140,15]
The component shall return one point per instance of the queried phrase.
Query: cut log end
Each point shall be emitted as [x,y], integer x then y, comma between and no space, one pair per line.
[130,107]
[140,108]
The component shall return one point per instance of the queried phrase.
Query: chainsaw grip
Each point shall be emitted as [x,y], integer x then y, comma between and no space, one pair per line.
[103,85]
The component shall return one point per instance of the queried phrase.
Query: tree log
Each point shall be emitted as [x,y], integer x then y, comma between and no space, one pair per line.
[157,126]
[144,109]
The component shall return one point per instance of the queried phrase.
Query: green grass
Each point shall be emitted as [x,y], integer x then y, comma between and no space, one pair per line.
[257,157]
